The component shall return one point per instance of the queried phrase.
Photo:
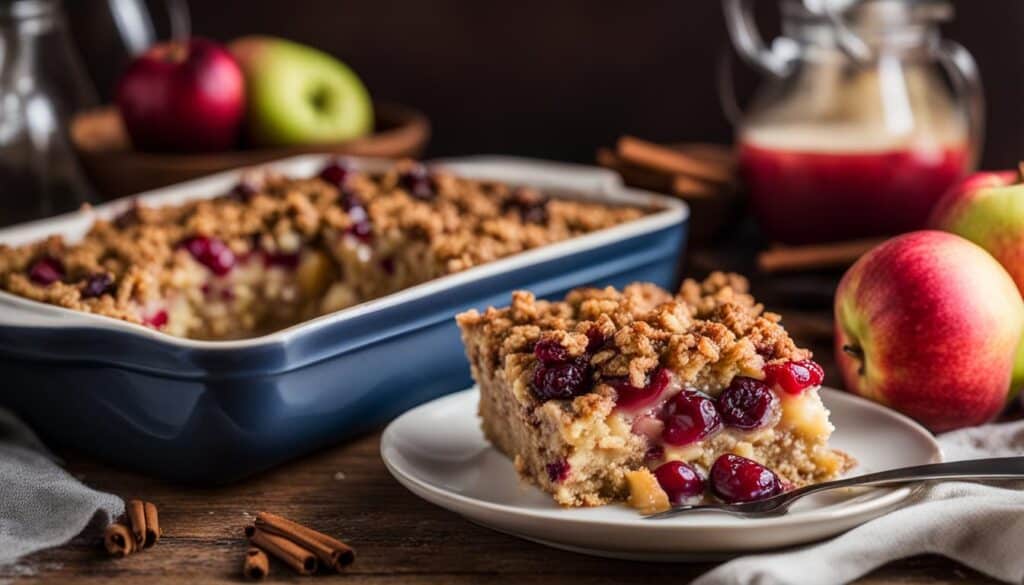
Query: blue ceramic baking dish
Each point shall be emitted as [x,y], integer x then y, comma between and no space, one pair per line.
[216,411]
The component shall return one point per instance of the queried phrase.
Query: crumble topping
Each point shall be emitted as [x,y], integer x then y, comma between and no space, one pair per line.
[277,250]
[708,334]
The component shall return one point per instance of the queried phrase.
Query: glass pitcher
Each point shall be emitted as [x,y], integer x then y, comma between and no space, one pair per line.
[854,131]
[42,83]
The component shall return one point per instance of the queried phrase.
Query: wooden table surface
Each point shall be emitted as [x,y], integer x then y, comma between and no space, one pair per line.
[346,491]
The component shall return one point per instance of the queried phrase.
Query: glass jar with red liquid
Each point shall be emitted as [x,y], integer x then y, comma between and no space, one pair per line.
[866,116]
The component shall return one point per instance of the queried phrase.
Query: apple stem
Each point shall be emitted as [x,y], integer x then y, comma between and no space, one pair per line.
[857,353]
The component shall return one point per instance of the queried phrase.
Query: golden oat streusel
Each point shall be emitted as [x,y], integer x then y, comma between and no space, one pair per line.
[592,395]
[278,250]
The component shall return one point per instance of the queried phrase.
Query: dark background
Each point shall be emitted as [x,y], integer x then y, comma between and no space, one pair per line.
[556,78]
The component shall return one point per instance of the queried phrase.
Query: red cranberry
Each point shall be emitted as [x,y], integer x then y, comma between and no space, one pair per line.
[388,266]
[746,404]
[361,231]
[550,351]
[561,381]
[418,183]
[630,397]
[46,271]
[558,470]
[679,480]
[532,208]
[287,260]
[212,253]
[595,340]
[350,199]
[361,228]
[97,285]
[795,377]
[156,320]
[128,218]
[243,192]
[689,417]
[335,173]
[738,479]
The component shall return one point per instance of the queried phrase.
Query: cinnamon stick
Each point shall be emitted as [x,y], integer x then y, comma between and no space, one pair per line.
[662,158]
[332,552]
[681,185]
[634,175]
[256,565]
[301,560]
[706,151]
[118,540]
[688,187]
[137,518]
[814,257]
[152,517]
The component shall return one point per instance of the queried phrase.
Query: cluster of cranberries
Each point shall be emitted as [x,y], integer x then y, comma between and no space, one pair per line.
[560,376]
[746,404]
[337,173]
[47,270]
[732,479]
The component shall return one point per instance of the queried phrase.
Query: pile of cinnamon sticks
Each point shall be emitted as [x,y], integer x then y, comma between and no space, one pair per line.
[139,529]
[703,174]
[687,170]
[304,550]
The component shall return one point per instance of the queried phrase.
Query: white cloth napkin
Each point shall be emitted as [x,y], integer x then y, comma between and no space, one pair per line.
[41,505]
[981,526]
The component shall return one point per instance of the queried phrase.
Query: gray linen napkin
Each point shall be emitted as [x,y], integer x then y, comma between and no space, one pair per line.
[978,525]
[41,505]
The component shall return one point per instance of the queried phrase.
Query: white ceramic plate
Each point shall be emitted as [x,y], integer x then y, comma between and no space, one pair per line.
[439,453]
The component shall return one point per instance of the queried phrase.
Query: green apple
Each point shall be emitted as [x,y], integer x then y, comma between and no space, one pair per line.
[299,95]
[987,208]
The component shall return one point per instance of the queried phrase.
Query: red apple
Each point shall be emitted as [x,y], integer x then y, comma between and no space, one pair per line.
[929,323]
[184,97]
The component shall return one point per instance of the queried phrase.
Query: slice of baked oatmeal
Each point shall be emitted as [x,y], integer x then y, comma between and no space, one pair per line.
[642,395]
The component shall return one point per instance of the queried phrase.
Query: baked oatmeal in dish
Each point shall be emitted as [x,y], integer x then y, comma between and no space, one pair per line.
[651,398]
[279,250]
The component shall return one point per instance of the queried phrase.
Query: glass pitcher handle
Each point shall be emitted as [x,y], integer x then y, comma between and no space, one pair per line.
[132,20]
[963,72]
[739,20]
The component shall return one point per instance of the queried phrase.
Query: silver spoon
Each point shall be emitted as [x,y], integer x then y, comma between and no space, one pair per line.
[1000,468]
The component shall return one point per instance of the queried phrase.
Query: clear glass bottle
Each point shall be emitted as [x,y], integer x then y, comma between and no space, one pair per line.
[42,83]
[854,131]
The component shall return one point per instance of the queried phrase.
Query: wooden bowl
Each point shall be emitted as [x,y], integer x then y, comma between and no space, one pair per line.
[116,170]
